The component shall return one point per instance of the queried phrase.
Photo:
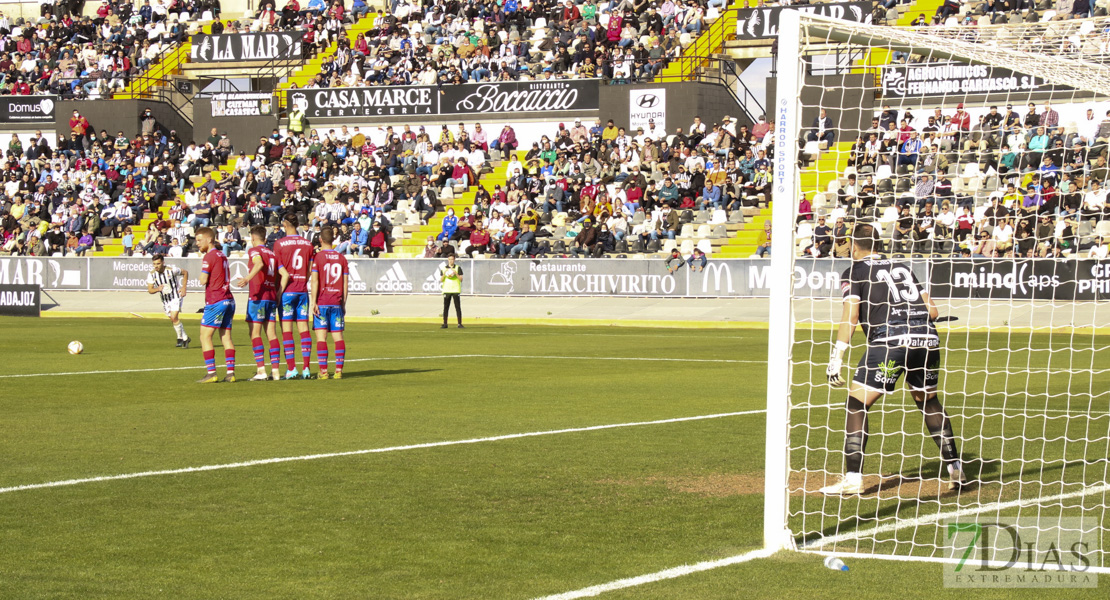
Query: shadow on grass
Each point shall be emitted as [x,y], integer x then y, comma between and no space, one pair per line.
[383,372]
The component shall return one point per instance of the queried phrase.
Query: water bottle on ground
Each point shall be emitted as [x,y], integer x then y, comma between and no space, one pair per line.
[834,563]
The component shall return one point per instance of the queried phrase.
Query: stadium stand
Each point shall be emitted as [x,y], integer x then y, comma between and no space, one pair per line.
[645,192]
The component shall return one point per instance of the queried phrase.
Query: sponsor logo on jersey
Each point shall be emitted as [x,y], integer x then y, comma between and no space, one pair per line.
[888,372]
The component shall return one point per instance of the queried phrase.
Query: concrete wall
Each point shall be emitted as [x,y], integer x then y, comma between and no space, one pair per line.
[121,115]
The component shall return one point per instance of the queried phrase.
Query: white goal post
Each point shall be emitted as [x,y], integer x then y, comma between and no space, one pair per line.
[1025,370]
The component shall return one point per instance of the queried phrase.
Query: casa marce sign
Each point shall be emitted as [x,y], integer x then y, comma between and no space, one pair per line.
[1022,279]
[502,97]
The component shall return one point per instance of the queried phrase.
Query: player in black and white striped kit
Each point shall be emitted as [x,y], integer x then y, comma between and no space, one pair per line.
[164,280]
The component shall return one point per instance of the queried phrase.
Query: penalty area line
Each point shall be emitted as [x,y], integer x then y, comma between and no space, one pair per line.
[438,357]
[672,573]
[308,457]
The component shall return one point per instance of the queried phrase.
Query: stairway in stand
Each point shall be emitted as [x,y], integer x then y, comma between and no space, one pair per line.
[311,67]
[416,235]
[114,246]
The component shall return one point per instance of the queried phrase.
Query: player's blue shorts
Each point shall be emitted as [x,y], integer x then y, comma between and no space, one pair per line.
[261,311]
[330,318]
[218,315]
[294,306]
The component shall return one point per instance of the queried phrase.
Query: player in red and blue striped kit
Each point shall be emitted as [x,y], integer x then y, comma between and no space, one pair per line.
[328,300]
[262,303]
[294,255]
[219,306]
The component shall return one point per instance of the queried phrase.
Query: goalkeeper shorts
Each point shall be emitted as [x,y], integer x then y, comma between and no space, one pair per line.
[882,366]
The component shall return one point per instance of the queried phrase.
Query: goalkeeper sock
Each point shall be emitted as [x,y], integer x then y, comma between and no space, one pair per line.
[855,436]
[940,428]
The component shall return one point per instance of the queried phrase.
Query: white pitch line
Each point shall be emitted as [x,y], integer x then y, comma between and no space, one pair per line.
[963,512]
[671,573]
[816,544]
[440,357]
[306,457]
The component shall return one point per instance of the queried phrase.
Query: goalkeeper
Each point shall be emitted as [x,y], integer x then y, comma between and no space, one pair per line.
[897,318]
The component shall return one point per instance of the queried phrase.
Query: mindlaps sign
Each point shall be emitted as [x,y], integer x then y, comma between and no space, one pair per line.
[27,109]
[940,79]
[365,102]
[246,47]
[762,23]
[520,97]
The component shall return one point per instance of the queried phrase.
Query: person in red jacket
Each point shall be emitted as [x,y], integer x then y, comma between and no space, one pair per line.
[78,124]
[479,242]
[507,242]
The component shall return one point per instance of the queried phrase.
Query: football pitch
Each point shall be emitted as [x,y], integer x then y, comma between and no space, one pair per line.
[491,462]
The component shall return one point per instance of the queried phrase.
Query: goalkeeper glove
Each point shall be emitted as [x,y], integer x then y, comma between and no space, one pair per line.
[836,363]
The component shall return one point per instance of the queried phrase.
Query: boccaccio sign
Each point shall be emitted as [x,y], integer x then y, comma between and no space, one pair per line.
[513,97]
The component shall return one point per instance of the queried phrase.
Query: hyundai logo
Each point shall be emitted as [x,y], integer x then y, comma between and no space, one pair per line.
[648,101]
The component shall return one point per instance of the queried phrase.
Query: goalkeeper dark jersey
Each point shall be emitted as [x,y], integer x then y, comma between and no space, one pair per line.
[891,310]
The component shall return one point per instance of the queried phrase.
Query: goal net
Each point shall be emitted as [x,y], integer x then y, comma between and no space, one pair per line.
[978,155]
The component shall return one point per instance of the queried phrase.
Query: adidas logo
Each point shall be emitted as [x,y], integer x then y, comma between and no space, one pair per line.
[431,284]
[394,280]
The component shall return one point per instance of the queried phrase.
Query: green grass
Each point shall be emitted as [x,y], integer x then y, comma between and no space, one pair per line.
[515,518]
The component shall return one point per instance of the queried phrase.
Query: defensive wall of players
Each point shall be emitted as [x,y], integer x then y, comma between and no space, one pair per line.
[1020,279]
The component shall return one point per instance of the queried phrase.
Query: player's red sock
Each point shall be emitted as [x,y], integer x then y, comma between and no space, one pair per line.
[322,356]
[259,352]
[340,354]
[210,361]
[306,348]
[290,348]
[229,360]
[275,354]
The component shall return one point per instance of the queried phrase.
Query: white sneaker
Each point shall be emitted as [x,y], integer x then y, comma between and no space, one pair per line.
[260,376]
[276,375]
[956,478]
[845,486]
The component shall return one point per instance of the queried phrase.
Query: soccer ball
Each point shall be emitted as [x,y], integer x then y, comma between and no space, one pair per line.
[76,347]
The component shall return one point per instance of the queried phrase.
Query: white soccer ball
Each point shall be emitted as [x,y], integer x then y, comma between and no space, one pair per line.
[76,347]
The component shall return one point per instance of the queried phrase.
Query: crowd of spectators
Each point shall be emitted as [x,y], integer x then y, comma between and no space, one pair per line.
[434,42]
[628,191]
[76,56]
[1012,181]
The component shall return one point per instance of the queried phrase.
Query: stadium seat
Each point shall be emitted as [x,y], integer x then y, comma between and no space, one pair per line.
[719,232]
[736,216]
[883,172]
[1103,229]
[687,231]
[685,249]
[705,246]
[669,245]
[703,231]
[719,216]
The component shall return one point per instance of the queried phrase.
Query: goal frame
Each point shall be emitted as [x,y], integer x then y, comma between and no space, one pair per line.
[787,130]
